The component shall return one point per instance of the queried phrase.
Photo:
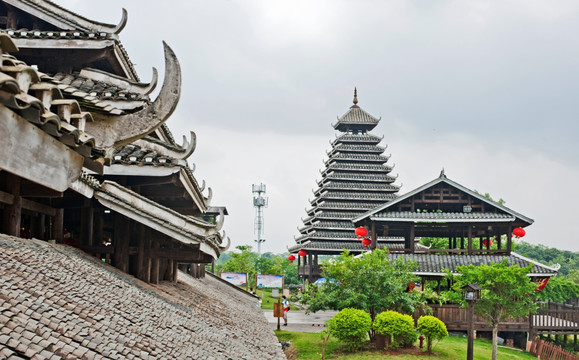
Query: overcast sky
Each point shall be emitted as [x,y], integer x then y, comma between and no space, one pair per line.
[487,90]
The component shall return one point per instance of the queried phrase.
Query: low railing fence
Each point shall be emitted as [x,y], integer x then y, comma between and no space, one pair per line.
[548,351]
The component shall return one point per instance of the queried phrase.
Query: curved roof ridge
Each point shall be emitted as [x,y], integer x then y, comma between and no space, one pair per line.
[64,16]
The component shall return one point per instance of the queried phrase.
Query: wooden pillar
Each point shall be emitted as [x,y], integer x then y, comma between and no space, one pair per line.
[374,237]
[154,262]
[509,238]
[13,212]
[411,238]
[168,276]
[469,234]
[58,226]
[121,243]
[310,275]
[176,271]
[11,18]
[142,252]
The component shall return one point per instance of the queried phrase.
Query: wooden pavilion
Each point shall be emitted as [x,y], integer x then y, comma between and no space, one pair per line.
[87,157]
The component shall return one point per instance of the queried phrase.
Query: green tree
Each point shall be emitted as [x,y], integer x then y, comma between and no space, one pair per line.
[558,289]
[507,292]
[370,282]
[243,262]
[433,328]
[350,326]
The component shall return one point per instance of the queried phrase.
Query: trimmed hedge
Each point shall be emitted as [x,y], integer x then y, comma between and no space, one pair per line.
[397,327]
[351,326]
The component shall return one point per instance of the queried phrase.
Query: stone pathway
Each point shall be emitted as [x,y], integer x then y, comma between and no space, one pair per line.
[299,321]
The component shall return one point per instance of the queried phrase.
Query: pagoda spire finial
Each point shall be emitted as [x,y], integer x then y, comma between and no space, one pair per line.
[355,96]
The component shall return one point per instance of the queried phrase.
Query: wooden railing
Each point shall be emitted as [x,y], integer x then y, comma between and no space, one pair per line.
[549,351]
[556,317]
[550,318]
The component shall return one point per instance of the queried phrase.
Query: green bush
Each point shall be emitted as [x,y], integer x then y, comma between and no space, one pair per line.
[432,328]
[351,326]
[397,327]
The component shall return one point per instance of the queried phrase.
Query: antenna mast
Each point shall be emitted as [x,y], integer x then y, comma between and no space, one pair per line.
[259,202]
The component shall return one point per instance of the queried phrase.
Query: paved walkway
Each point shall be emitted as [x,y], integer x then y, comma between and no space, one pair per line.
[298,321]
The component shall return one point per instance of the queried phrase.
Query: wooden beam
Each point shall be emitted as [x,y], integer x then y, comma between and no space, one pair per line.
[31,189]
[87,226]
[6,198]
[38,207]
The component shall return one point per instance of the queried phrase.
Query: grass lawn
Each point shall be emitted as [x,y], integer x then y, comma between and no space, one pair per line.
[309,346]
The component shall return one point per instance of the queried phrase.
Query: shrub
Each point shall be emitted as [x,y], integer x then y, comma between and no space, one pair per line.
[351,326]
[432,328]
[397,327]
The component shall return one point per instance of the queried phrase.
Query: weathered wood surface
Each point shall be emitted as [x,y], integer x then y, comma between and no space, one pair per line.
[35,155]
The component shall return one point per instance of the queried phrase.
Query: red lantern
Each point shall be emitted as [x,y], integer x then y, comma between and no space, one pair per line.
[488,242]
[411,286]
[366,242]
[519,232]
[291,258]
[302,253]
[361,231]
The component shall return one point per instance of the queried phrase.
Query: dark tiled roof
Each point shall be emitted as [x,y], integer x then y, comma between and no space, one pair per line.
[99,89]
[56,302]
[359,168]
[440,217]
[358,185]
[358,117]
[136,155]
[362,148]
[437,264]
[358,157]
[337,247]
[347,195]
[337,175]
[357,138]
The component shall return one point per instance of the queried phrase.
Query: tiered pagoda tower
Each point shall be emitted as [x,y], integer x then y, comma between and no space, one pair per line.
[356,179]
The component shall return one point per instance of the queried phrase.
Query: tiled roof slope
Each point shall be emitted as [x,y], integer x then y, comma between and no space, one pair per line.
[58,303]
[435,264]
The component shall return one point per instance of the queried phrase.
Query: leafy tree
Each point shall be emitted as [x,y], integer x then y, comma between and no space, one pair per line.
[433,328]
[243,262]
[398,328]
[350,326]
[567,259]
[558,289]
[507,292]
[369,282]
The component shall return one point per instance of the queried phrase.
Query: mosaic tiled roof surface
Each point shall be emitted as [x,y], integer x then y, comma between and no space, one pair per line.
[356,179]
[337,246]
[58,303]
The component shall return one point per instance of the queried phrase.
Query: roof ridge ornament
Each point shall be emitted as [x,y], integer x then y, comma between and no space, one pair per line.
[442,174]
[355,101]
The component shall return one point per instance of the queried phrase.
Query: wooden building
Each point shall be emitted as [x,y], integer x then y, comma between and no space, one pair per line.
[87,157]
[356,178]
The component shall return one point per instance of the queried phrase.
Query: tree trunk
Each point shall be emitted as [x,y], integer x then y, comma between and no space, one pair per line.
[495,340]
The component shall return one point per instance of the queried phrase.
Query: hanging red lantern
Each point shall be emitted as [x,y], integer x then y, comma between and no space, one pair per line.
[302,253]
[411,286]
[291,258]
[361,231]
[366,242]
[519,232]
[487,242]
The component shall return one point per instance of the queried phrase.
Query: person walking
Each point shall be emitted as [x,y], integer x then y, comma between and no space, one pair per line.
[286,308]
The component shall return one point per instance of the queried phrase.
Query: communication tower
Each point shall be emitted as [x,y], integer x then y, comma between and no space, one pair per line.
[259,202]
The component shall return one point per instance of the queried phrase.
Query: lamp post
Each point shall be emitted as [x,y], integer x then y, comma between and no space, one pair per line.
[471,295]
